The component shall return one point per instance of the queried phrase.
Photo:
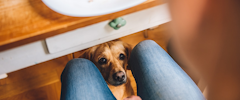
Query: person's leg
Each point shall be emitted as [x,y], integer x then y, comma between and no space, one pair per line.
[81,80]
[158,76]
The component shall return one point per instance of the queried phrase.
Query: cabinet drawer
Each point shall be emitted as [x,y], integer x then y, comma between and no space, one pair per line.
[102,32]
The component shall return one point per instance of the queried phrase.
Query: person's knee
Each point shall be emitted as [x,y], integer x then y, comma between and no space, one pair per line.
[146,44]
[75,64]
[79,65]
[79,60]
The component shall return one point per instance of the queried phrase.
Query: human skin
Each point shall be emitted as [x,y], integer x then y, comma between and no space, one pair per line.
[133,98]
[206,37]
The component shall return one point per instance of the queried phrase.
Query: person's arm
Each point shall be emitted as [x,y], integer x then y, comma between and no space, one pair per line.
[206,35]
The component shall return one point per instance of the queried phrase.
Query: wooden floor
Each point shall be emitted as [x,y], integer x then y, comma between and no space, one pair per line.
[42,81]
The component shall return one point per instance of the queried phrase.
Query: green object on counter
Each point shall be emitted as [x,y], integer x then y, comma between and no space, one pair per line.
[117,23]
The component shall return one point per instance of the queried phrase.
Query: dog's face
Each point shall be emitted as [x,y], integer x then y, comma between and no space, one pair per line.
[111,58]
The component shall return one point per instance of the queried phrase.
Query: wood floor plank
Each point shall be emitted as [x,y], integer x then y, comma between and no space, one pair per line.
[33,77]
[49,92]
[35,94]
[53,91]
[26,85]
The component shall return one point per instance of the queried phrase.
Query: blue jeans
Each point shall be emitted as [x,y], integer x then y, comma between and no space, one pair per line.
[157,75]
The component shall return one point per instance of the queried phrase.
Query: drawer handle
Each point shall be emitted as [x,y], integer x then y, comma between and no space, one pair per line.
[117,23]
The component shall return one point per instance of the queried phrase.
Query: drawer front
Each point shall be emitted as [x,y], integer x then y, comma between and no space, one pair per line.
[101,31]
[69,42]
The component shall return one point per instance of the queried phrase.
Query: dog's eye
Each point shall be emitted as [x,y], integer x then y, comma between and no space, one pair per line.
[102,61]
[121,56]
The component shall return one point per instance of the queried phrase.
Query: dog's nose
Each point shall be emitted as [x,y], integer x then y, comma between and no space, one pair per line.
[119,76]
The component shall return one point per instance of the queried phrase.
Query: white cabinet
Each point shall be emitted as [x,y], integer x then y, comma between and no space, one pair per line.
[72,41]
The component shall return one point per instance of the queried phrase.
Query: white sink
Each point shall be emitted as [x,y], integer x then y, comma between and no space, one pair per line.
[87,8]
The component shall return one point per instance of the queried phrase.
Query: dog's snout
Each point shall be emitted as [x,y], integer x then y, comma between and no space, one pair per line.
[119,76]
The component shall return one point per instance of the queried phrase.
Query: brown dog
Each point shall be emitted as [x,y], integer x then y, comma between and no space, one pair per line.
[111,59]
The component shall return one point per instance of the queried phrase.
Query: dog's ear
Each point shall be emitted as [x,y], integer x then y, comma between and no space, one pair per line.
[86,54]
[128,50]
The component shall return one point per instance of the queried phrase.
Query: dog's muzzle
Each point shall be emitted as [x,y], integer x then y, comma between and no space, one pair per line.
[119,77]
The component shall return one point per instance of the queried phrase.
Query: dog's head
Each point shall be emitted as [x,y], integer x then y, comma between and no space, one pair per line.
[111,59]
